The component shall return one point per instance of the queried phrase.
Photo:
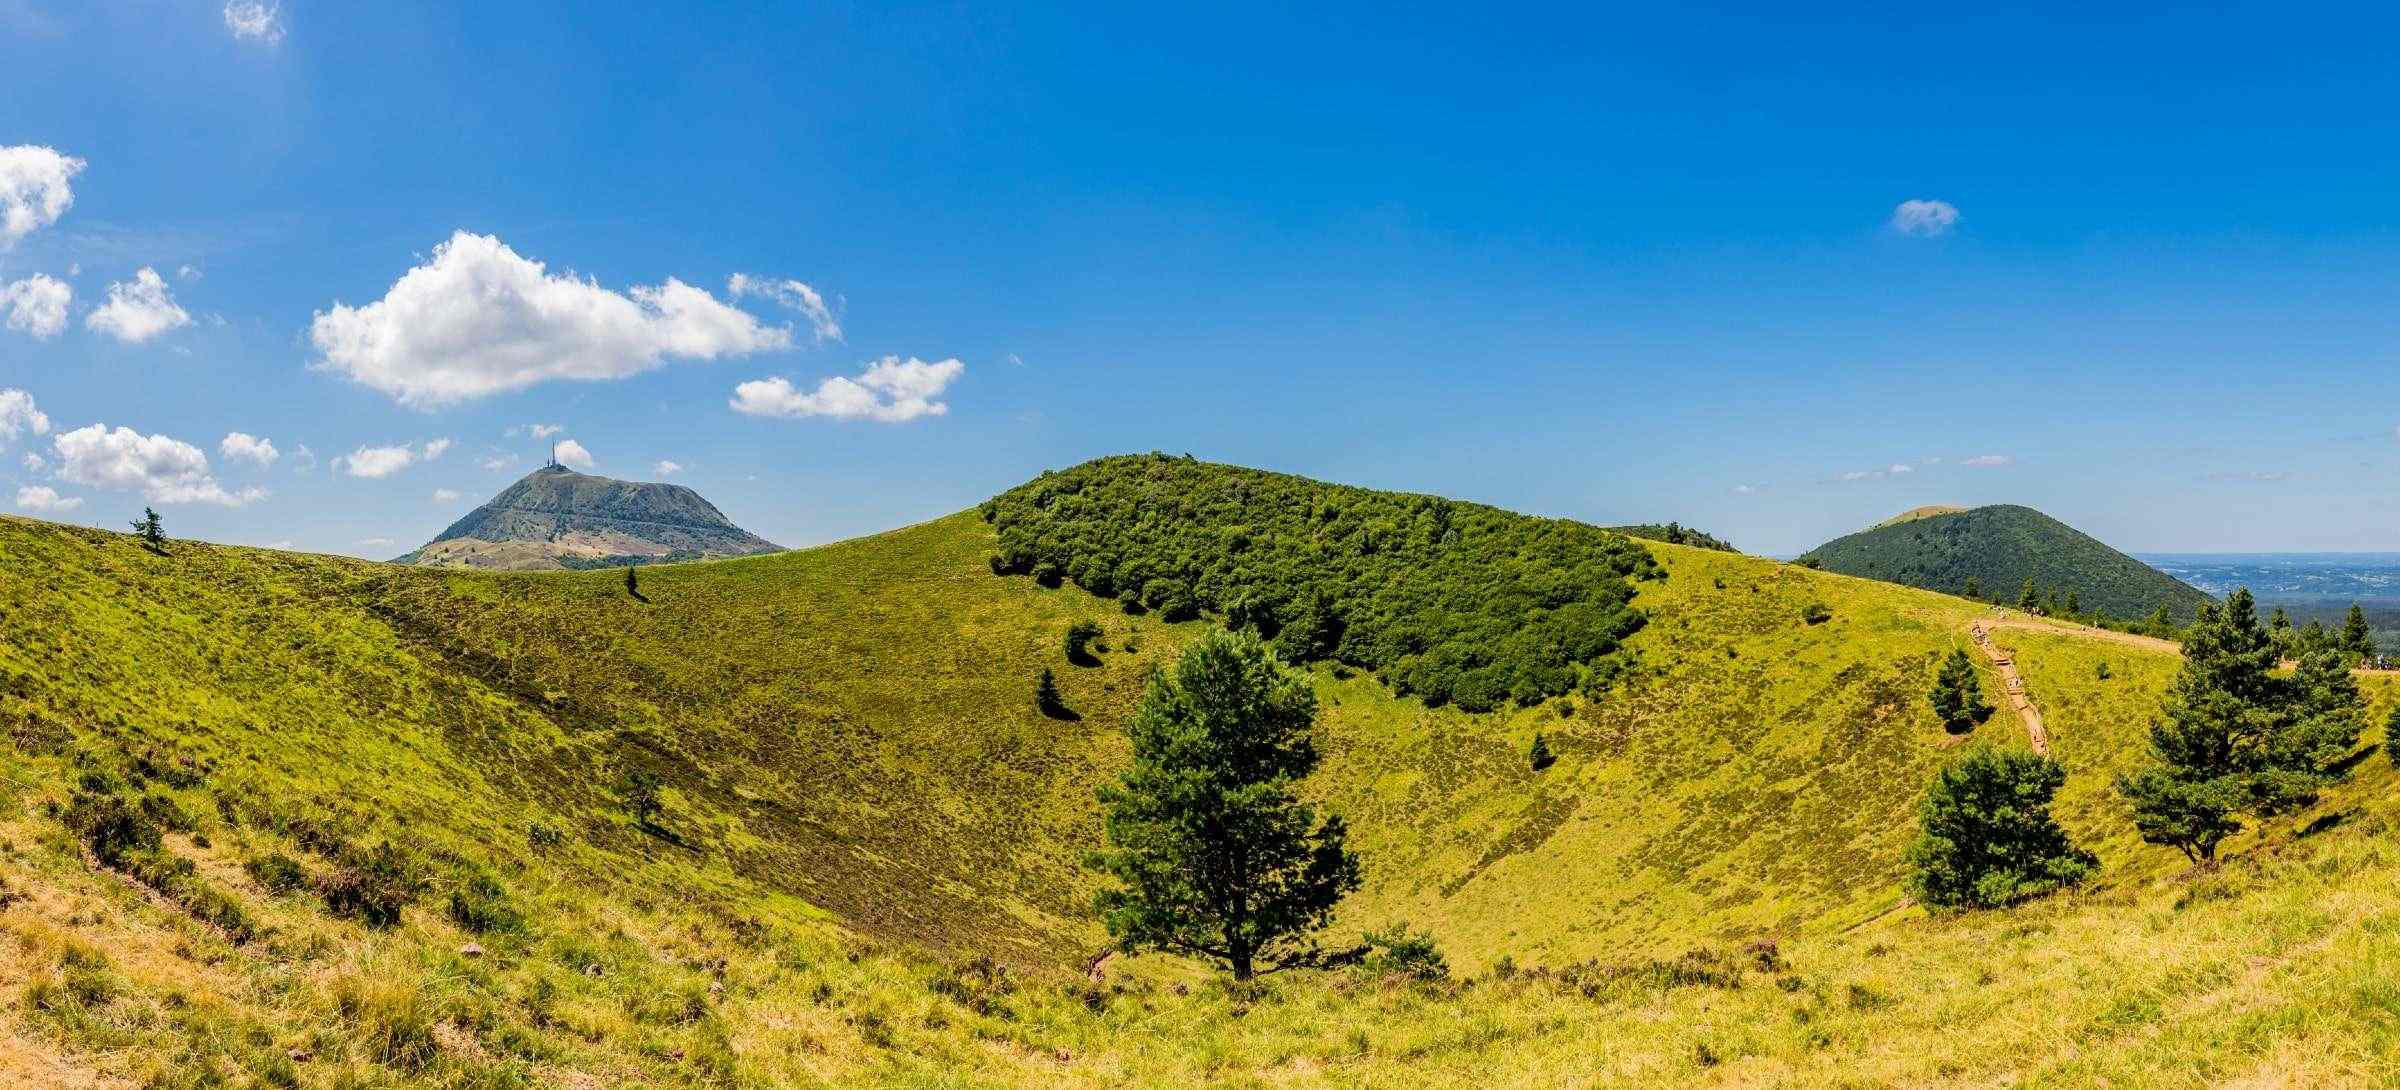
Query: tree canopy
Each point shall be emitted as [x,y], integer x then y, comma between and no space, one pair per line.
[1457,602]
[1988,835]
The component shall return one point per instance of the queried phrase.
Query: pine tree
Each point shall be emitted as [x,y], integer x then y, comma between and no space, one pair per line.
[2161,622]
[1213,851]
[1974,588]
[1957,694]
[2234,739]
[1046,698]
[2074,604]
[1541,756]
[2028,599]
[153,532]
[633,586]
[2357,640]
[1988,837]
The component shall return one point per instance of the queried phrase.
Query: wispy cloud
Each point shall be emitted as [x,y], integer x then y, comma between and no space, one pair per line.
[1924,218]
[1986,460]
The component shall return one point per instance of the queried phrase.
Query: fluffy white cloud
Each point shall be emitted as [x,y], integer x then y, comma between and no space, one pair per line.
[19,415]
[138,309]
[1987,460]
[164,469]
[572,455]
[1899,468]
[244,447]
[35,463]
[497,462]
[37,305]
[1924,219]
[794,296]
[890,391]
[435,449]
[35,189]
[42,497]
[478,320]
[383,461]
[538,431]
[667,468]
[445,495]
[254,20]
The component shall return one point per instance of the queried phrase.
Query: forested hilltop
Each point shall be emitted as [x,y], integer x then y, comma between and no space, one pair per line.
[2002,551]
[1455,602]
[1677,534]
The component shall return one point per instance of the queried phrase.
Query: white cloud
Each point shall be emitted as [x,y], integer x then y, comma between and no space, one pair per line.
[34,463]
[538,431]
[445,495]
[37,305]
[1899,468]
[383,461]
[19,415]
[40,497]
[667,468]
[373,542]
[1745,490]
[255,20]
[138,309]
[794,296]
[479,320]
[244,447]
[34,189]
[303,459]
[2260,476]
[187,272]
[572,455]
[497,462]
[890,391]
[1924,219]
[164,469]
[1987,460]
[1862,475]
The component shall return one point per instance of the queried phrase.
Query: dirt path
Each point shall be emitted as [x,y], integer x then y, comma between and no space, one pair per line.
[2014,683]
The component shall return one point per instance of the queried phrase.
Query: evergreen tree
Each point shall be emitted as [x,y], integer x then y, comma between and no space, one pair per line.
[2051,606]
[152,531]
[1046,698]
[1214,853]
[638,789]
[1541,756]
[1988,835]
[1957,695]
[1974,588]
[2028,599]
[2161,622]
[2234,739]
[633,585]
[2074,604]
[2357,640]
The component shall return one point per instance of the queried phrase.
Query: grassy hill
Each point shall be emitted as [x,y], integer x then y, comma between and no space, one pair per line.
[865,869]
[2001,547]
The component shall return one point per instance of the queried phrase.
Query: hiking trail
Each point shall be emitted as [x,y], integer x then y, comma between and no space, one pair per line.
[2014,683]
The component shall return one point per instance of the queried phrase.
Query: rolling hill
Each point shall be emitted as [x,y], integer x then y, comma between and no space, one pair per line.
[864,865]
[2000,548]
[558,518]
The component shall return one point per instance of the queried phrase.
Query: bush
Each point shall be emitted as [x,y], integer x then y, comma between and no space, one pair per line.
[1541,756]
[111,829]
[276,872]
[1400,951]
[1815,613]
[371,885]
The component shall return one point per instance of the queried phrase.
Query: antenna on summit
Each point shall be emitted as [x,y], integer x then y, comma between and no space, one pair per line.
[554,456]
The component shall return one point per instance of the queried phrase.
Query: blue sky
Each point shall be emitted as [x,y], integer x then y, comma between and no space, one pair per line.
[1617,265]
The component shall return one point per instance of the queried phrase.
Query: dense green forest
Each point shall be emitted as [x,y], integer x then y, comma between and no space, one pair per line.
[1997,550]
[1456,602]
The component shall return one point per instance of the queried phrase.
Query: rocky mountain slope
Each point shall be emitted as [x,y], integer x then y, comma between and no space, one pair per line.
[558,518]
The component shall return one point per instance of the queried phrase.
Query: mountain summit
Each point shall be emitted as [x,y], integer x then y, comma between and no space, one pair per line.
[558,518]
[2001,548]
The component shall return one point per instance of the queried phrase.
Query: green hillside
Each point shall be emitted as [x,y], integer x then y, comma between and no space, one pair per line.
[864,866]
[2001,547]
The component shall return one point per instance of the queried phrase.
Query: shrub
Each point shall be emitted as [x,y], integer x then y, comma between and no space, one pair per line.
[1082,638]
[371,885]
[1400,951]
[1957,695]
[276,872]
[1541,756]
[1815,613]
[112,830]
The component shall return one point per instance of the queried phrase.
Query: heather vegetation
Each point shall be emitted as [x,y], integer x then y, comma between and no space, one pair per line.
[1455,602]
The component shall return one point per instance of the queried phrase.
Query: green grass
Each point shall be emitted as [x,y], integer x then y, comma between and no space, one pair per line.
[861,800]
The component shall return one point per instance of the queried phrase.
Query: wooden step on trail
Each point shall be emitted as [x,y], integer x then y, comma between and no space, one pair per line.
[2014,684]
